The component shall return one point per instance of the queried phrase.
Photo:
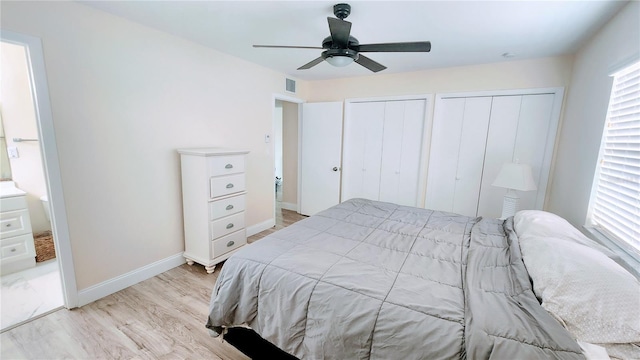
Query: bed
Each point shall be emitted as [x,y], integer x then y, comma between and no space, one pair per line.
[373,280]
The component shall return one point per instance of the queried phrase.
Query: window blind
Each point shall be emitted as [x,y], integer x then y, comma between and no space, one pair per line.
[616,205]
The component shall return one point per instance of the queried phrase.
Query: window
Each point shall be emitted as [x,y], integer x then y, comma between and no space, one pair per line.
[615,204]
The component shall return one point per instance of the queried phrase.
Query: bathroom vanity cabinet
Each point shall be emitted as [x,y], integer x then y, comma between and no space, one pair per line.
[17,250]
[213,203]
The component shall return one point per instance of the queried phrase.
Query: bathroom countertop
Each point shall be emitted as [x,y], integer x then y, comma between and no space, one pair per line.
[9,189]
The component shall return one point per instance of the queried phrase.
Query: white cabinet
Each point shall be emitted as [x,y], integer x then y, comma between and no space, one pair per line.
[474,135]
[382,147]
[213,202]
[17,249]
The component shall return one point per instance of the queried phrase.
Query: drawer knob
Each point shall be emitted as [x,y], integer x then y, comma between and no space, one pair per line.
[230,243]
[13,249]
[228,166]
[229,226]
[229,207]
[229,186]
[8,225]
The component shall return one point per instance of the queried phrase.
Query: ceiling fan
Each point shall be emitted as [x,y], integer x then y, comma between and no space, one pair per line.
[341,49]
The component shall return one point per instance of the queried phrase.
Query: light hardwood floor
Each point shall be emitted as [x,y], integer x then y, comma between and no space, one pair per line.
[159,318]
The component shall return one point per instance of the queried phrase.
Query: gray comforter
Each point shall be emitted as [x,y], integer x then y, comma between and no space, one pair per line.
[373,280]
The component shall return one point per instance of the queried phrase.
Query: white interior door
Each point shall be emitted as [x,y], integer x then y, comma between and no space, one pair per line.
[320,150]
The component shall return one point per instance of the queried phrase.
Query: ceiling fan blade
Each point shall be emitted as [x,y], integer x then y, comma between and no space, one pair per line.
[370,64]
[311,63]
[340,31]
[287,47]
[418,46]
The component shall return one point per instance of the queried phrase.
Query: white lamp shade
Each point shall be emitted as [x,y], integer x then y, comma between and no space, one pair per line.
[516,177]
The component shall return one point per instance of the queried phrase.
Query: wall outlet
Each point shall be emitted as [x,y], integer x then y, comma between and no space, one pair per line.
[13,152]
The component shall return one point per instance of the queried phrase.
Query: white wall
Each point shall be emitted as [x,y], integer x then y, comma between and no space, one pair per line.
[585,112]
[19,118]
[124,97]
[537,73]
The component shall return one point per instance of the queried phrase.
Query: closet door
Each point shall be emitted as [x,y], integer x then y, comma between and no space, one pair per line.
[474,135]
[362,151]
[500,143]
[518,131]
[382,148]
[401,148]
[456,160]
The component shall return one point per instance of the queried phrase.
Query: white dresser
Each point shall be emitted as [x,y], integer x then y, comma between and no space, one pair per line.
[213,203]
[16,238]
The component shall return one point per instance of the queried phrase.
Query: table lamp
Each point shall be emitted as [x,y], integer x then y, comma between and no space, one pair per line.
[513,176]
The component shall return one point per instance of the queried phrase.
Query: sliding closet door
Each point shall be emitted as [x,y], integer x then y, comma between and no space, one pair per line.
[458,142]
[518,132]
[363,131]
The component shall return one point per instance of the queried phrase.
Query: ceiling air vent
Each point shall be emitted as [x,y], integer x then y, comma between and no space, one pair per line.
[291,86]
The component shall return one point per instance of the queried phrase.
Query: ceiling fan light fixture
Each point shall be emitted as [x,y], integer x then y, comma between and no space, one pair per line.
[339,61]
[339,57]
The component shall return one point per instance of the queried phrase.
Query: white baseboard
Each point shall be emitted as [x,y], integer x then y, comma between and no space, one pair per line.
[289,206]
[254,229]
[123,281]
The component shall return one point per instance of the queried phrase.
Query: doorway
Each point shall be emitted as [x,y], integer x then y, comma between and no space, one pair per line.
[31,288]
[285,144]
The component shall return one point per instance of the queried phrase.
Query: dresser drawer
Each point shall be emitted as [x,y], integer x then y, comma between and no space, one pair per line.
[230,242]
[13,223]
[226,185]
[13,203]
[227,225]
[18,246]
[226,207]
[225,165]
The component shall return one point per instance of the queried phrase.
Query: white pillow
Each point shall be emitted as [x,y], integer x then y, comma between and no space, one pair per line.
[597,300]
[529,223]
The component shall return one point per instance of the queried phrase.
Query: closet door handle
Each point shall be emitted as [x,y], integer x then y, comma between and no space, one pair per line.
[230,225]
[228,166]
[229,207]
[229,186]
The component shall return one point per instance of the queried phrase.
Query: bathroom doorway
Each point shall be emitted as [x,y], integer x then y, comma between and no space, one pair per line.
[285,144]
[36,270]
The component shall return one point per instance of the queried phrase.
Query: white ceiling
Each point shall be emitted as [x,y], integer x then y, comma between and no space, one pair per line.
[461,32]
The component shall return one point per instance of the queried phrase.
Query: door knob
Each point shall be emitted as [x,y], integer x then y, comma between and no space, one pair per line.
[335,168]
